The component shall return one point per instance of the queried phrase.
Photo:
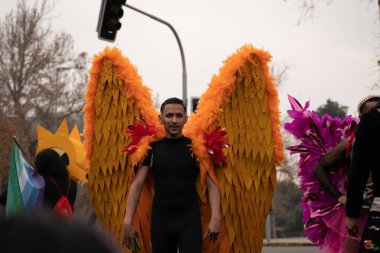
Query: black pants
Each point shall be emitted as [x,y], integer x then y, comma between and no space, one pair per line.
[371,236]
[172,231]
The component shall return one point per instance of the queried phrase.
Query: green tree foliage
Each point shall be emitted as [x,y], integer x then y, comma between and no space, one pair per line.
[287,176]
[288,215]
[334,109]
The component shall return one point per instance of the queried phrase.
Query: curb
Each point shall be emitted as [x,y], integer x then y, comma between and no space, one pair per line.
[288,244]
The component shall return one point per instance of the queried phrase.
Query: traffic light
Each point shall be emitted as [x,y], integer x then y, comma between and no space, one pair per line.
[108,24]
[194,103]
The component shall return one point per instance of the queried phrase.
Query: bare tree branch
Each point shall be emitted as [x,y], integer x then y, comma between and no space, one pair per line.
[30,55]
[280,72]
[307,7]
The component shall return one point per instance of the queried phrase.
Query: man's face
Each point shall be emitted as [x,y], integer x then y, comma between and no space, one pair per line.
[173,118]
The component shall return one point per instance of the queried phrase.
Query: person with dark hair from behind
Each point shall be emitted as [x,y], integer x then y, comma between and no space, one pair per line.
[44,233]
[365,162]
[52,165]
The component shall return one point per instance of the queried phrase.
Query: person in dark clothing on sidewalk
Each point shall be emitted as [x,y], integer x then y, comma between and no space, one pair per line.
[365,162]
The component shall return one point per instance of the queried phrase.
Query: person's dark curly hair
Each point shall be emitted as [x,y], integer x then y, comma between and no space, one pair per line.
[49,163]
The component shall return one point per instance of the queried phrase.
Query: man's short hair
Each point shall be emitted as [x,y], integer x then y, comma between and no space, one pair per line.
[172,101]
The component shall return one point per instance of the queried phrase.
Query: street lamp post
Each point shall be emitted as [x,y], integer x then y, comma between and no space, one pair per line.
[184,75]
[57,71]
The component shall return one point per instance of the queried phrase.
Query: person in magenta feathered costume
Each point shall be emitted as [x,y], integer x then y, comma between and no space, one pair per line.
[324,148]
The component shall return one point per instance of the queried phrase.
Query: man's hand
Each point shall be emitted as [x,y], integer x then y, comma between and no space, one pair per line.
[213,229]
[352,225]
[130,235]
[342,199]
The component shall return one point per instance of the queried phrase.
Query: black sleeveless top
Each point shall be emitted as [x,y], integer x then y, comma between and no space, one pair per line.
[175,170]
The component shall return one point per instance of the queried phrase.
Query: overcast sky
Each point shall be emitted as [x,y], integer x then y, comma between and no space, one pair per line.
[332,55]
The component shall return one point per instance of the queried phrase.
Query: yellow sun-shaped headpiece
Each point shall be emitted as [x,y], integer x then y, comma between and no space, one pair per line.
[71,144]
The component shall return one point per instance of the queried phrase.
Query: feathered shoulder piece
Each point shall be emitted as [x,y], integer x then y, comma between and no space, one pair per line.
[315,137]
[317,134]
[215,142]
[136,133]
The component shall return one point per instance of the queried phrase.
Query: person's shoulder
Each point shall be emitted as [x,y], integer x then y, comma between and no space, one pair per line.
[72,181]
[373,114]
[187,140]
[341,145]
[156,142]
[159,140]
[374,111]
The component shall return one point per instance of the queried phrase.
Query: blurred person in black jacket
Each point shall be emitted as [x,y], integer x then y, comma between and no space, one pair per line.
[44,233]
[365,162]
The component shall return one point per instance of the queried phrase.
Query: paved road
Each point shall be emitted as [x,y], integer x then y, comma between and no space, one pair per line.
[289,250]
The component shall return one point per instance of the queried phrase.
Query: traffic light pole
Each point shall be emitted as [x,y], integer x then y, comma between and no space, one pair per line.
[184,75]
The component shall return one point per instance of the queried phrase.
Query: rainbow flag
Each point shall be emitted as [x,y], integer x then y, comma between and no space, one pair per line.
[25,186]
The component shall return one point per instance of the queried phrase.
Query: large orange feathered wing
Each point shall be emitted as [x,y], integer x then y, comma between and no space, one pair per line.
[116,99]
[243,100]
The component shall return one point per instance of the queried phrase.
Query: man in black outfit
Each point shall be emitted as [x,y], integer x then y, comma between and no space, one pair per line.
[176,223]
[365,161]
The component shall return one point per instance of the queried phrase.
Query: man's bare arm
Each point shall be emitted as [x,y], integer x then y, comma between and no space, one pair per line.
[134,193]
[214,197]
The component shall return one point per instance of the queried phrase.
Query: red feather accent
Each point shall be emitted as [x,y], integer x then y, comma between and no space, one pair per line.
[136,132]
[215,144]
